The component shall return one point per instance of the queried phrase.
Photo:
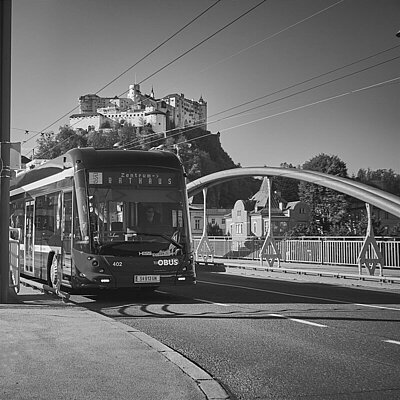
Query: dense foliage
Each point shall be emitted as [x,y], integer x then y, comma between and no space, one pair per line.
[329,208]
[385,179]
[200,151]
[333,213]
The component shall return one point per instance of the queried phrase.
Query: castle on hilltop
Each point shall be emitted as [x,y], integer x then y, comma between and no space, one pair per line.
[137,109]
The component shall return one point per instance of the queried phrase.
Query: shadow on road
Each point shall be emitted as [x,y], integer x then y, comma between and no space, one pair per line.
[221,291]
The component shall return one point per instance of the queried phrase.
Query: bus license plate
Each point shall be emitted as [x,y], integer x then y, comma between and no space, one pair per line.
[146,279]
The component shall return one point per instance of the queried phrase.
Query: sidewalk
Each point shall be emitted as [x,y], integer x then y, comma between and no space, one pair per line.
[51,349]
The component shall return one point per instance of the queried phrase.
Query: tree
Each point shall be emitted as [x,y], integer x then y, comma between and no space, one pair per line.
[127,135]
[51,145]
[288,188]
[385,179]
[214,230]
[47,146]
[100,140]
[329,209]
[205,156]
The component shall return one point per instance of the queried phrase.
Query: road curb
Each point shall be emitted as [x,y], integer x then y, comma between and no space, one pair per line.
[211,388]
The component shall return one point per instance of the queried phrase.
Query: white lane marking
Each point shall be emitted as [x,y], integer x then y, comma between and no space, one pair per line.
[212,302]
[301,321]
[301,296]
[381,307]
[392,342]
[274,292]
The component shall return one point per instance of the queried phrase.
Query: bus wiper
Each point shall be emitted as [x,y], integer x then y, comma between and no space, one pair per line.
[162,235]
[109,245]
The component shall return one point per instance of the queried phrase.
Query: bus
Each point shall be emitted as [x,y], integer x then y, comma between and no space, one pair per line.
[83,220]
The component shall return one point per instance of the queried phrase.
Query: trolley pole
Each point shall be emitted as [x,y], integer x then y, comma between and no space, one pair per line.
[5,93]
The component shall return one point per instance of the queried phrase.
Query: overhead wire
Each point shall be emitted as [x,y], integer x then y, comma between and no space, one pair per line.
[129,145]
[134,65]
[389,81]
[309,79]
[175,34]
[319,85]
[204,40]
[185,53]
[133,143]
[291,87]
[271,36]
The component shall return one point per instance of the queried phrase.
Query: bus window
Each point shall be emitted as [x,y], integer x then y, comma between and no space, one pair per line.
[48,219]
[80,217]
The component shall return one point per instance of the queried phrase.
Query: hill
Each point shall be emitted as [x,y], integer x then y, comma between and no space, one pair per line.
[202,154]
[200,151]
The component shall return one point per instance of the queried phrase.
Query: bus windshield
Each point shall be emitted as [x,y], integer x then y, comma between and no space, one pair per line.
[128,221]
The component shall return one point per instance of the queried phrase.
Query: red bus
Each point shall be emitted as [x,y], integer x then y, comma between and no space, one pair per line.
[105,219]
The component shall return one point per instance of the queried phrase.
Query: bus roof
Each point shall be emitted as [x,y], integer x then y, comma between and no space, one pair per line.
[91,157]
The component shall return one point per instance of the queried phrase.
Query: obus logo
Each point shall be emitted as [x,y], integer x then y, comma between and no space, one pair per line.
[172,261]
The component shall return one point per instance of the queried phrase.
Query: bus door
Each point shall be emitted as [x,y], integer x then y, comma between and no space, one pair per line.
[66,236]
[28,237]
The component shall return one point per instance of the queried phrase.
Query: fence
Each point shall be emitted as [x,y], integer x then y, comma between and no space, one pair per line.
[318,250]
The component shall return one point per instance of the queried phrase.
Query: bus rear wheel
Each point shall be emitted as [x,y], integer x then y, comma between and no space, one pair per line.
[52,270]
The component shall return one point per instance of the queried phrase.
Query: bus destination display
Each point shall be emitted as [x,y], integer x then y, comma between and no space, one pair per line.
[142,179]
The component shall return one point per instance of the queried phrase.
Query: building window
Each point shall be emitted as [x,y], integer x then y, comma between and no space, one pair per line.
[197,224]
[213,221]
[239,228]
[239,213]
[265,227]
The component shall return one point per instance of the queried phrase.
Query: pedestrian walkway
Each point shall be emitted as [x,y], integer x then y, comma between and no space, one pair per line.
[53,349]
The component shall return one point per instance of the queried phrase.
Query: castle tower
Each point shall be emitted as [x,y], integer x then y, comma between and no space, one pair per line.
[203,111]
[134,94]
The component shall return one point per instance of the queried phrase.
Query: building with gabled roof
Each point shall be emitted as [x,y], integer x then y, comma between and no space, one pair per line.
[251,217]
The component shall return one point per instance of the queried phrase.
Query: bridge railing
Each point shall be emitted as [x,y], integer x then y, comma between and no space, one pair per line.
[318,250]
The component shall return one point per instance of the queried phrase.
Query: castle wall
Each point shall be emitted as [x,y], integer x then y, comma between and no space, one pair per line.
[138,109]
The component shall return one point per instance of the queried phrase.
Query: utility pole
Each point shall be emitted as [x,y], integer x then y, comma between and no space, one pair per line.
[5,174]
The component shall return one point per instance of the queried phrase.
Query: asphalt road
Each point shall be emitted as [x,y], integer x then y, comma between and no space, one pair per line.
[273,339]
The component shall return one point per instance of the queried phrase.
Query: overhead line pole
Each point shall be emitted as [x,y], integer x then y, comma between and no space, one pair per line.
[5,91]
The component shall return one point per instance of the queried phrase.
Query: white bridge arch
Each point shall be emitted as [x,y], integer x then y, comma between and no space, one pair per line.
[376,197]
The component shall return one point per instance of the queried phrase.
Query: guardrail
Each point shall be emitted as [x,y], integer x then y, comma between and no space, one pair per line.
[311,250]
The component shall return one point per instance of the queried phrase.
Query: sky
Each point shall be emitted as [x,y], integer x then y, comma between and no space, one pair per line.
[267,77]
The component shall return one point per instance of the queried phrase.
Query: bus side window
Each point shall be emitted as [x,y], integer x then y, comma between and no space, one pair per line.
[17,215]
[80,225]
[48,219]
[67,214]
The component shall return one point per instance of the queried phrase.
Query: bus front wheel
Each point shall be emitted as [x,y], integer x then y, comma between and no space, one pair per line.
[52,269]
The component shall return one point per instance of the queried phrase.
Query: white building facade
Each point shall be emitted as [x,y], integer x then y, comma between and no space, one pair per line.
[215,216]
[137,109]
